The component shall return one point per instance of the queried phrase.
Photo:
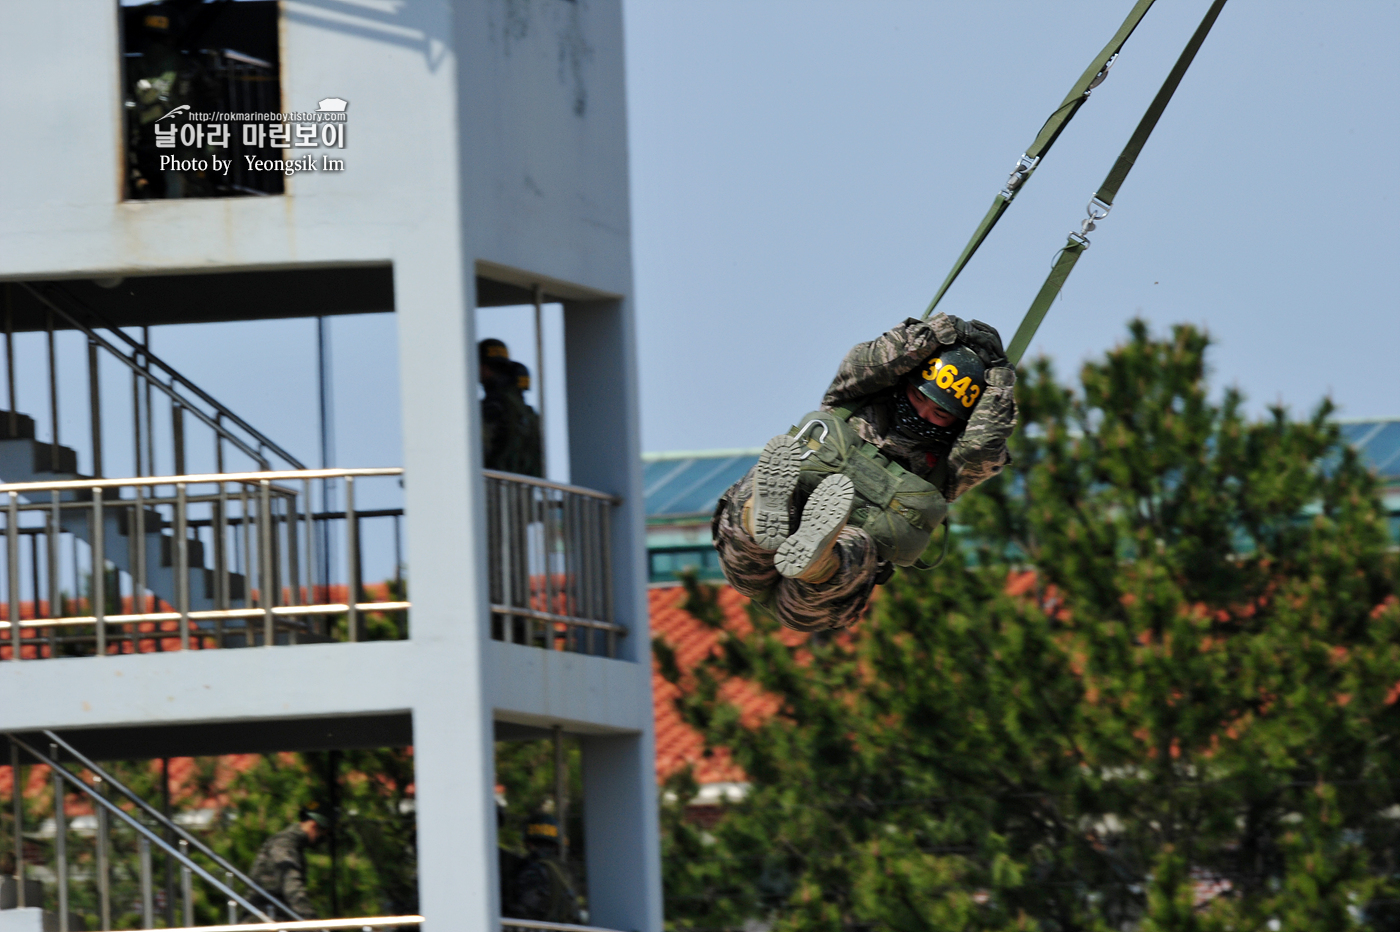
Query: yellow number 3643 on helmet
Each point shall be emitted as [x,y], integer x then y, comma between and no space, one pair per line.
[954,380]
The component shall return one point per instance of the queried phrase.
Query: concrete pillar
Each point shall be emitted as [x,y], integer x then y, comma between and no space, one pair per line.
[605,449]
[434,291]
[620,823]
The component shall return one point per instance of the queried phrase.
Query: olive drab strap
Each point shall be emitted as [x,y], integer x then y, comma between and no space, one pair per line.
[925,567]
[897,508]
[1102,201]
[1091,78]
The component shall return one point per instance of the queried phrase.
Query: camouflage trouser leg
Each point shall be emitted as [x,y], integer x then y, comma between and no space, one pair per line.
[836,603]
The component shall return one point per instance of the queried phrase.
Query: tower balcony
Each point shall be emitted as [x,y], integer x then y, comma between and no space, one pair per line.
[231,560]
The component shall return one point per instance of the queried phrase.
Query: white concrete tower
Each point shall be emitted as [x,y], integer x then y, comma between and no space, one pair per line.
[484,162]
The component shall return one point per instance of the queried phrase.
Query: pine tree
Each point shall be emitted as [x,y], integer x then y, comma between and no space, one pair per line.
[1163,666]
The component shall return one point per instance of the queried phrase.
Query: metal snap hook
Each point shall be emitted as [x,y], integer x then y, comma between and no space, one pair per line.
[826,431]
[1103,73]
[1024,166]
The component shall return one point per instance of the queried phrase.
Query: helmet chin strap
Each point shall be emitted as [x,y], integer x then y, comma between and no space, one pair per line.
[939,439]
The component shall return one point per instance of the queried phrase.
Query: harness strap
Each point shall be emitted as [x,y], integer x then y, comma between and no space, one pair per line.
[1102,201]
[1026,165]
[875,484]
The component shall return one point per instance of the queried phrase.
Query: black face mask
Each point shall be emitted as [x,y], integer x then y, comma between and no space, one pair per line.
[930,436]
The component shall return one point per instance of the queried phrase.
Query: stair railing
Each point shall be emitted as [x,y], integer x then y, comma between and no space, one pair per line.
[153,372]
[168,824]
[149,835]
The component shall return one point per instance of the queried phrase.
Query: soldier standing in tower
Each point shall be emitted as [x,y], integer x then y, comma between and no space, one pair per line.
[511,440]
[541,889]
[280,867]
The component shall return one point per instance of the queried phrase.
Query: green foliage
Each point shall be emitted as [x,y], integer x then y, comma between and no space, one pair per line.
[376,873]
[1170,657]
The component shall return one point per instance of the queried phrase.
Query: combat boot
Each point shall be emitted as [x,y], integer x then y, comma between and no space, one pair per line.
[767,512]
[808,554]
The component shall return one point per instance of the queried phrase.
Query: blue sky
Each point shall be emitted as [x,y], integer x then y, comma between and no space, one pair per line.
[804,172]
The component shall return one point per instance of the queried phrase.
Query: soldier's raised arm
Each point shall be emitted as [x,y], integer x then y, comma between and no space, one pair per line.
[980,452]
[884,361]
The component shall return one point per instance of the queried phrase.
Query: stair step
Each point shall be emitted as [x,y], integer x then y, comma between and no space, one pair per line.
[43,452]
[125,519]
[24,427]
[167,552]
[43,458]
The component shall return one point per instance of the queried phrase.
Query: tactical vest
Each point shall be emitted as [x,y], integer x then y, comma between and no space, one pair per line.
[898,509]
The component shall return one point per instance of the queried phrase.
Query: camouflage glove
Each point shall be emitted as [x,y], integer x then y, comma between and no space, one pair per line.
[984,340]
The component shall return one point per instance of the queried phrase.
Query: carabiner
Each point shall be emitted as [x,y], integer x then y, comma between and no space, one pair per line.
[826,432]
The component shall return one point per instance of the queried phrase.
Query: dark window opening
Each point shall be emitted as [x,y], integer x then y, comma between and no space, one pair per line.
[190,68]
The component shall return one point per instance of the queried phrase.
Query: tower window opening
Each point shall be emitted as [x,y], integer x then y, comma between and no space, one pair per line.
[200,86]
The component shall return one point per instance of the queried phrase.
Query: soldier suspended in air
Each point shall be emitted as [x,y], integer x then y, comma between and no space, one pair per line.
[913,419]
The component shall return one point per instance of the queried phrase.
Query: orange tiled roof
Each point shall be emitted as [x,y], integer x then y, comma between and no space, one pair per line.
[677,744]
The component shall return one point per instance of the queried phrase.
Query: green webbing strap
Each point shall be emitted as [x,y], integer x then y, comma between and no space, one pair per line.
[1091,78]
[1102,200]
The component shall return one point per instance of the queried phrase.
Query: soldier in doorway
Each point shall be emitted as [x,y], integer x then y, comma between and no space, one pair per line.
[280,867]
[541,889]
[510,428]
[913,419]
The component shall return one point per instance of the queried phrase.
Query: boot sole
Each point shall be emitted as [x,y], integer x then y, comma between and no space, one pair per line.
[774,481]
[822,519]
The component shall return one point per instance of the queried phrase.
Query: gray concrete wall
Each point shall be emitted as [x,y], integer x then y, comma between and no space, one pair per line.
[30,919]
[545,190]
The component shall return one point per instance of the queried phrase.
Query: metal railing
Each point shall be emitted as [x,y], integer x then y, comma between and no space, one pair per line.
[245,562]
[101,777]
[150,376]
[313,925]
[241,559]
[549,555]
[63,780]
[152,829]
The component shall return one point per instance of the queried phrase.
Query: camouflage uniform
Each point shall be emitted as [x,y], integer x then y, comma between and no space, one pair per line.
[542,891]
[510,428]
[866,384]
[280,869]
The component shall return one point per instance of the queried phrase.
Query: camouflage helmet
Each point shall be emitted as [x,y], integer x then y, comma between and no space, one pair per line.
[954,379]
[522,376]
[312,812]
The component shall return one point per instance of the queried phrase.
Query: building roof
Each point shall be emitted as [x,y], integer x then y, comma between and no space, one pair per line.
[677,744]
[1378,442]
[688,484]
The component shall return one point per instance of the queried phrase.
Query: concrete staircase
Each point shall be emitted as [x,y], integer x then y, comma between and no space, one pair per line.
[23,458]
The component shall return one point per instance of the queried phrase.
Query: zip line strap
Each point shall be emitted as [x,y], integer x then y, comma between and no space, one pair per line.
[1092,77]
[1064,264]
[1102,200]
[1116,175]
